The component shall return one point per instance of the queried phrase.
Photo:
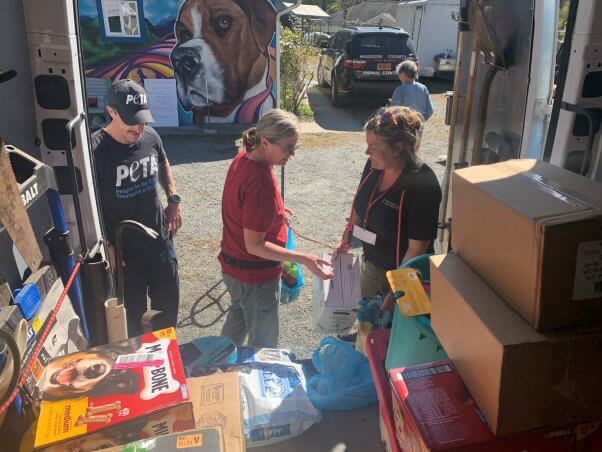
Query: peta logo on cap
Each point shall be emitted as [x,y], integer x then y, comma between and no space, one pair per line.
[137,99]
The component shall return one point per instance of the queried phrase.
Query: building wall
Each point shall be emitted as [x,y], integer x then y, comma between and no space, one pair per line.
[219,67]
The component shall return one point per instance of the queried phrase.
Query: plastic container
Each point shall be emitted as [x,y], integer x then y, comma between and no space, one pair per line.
[412,340]
[376,350]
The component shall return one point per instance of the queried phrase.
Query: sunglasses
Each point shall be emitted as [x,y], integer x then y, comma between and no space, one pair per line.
[289,150]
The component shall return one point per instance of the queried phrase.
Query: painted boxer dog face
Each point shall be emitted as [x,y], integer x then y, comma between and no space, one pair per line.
[219,51]
[87,373]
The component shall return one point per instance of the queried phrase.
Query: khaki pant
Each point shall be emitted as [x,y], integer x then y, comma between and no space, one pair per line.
[373,280]
[253,311]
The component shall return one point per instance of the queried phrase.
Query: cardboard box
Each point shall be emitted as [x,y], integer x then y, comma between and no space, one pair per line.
[521,379]
[216,403]
[434,412]
[533,231]
[335,301]
[65,337]
[152,426]
[118,392]
[200,440]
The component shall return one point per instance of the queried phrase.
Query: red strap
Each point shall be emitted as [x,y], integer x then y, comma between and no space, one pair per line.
[25,373]
[349,226]
[399,218]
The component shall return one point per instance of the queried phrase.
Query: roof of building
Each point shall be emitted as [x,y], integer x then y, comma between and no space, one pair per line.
[307,10]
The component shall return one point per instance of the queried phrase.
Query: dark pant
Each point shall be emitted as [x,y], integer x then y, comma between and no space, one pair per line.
[155,273]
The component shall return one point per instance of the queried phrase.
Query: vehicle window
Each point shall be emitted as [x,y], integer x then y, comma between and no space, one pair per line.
[338,38]
[393,46]
[331,41]
[346,40]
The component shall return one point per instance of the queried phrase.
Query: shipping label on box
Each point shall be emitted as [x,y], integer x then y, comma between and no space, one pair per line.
[103,387]
[199,440]
[588,271]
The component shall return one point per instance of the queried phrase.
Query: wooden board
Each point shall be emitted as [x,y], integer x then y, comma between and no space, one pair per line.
[13,214]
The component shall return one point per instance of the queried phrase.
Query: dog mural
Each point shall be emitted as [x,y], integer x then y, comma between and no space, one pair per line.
[221,59]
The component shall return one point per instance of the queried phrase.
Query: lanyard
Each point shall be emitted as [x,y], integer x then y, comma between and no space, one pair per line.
[372,201]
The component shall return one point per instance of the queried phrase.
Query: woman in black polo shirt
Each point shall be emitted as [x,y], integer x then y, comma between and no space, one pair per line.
[393,177]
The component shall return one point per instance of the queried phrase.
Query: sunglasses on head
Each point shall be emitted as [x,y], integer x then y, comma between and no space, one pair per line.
[384,117]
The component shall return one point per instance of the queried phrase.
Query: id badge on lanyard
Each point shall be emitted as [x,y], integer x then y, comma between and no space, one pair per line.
[364,235]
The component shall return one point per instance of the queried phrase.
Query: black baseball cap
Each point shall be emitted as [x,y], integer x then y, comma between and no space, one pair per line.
[131,102]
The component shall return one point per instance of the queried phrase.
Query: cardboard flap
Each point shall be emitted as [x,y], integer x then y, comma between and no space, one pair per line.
[509,181]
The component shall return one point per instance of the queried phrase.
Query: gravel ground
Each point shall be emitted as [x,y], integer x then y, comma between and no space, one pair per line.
[319,186]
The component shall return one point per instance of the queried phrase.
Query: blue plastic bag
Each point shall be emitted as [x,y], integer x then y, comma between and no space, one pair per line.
[344,381]
[291,279]
[370,312]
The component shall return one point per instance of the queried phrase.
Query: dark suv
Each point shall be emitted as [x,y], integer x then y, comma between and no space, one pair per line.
[363,59]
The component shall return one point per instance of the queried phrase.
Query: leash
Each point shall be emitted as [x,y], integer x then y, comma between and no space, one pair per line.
[36,351]
[308,239]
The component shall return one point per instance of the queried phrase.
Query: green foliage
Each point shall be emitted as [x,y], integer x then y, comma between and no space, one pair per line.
[563,14]
[295,72]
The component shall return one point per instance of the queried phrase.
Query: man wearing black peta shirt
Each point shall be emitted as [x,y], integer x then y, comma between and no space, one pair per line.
[130,162]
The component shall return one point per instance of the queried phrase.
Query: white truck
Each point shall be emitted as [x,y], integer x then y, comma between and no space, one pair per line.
[434,32]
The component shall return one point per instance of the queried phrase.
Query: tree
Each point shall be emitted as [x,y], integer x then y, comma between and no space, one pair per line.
[295,73]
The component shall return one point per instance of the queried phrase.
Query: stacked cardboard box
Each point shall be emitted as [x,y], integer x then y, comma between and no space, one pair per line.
[519,308]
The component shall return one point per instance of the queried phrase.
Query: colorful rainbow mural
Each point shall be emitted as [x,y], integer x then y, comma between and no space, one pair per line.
[152,62]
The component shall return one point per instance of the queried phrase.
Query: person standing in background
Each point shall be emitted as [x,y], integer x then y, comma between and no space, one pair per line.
[411,93]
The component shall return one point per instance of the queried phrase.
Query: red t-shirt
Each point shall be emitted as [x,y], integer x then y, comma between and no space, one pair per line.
[251,200]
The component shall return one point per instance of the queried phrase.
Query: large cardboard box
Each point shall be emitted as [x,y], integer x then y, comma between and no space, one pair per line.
[336,300]
[434,412]
[115,394]
[533,231]
[216,402]
[521,379]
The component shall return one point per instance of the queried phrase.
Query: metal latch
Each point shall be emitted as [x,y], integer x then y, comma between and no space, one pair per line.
[542,109]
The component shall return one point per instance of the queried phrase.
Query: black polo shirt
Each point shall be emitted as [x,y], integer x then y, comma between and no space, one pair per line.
[419,215]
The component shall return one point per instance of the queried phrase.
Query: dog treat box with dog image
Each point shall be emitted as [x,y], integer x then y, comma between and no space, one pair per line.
[114,394]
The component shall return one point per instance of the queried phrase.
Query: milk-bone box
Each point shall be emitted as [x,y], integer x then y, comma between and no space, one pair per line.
[119,392]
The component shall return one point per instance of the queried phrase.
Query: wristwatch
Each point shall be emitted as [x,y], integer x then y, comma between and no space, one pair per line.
[173,198]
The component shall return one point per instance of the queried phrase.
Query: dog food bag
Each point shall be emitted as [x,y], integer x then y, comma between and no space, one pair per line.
[208,350]
[275,404]
[114,394]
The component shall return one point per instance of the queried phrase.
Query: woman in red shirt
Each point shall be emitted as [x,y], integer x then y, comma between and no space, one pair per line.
[254,231]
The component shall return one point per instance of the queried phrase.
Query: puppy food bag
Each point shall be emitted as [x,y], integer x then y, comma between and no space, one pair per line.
[275,404]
